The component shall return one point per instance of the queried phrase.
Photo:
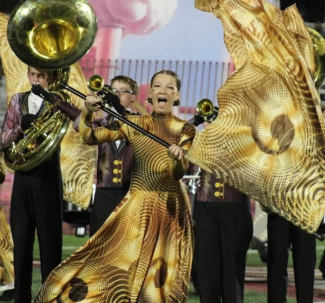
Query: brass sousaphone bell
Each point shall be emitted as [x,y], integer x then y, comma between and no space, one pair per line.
[51,34]
[48,35]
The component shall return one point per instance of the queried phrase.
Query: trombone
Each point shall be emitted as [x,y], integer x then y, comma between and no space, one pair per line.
[135,126]
[96,84]
[117,116]
[206,112]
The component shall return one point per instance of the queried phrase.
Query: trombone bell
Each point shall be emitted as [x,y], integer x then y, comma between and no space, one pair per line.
[95,83]
[206,110]
[204,107]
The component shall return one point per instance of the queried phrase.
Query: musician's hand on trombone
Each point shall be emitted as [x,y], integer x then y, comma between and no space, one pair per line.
[175,152]
[93,103]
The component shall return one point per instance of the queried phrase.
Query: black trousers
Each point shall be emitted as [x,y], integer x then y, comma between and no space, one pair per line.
[223,232]
[105,201]
[281,236]
[322,264]
[36,203]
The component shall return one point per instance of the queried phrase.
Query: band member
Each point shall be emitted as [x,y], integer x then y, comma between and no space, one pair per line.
[143,252]
[37,193]
[223,232]
[114,160]
[283,235]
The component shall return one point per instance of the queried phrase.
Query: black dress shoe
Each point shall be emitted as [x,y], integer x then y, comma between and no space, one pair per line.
[7,296]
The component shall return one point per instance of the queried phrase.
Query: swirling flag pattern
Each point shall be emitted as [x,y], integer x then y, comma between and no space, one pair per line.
[268,140]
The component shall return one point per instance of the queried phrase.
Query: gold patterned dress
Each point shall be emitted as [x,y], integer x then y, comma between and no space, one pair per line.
[143,252]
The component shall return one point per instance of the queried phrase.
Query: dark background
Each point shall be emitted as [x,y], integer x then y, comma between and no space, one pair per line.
[310,10]
[7,6]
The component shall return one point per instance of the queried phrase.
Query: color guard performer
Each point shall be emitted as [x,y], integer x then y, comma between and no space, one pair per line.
[143,252]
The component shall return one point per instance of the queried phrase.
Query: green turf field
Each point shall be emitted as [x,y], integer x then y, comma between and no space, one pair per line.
[71,243]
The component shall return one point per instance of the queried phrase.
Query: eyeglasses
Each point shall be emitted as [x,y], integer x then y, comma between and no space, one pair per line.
[122,91]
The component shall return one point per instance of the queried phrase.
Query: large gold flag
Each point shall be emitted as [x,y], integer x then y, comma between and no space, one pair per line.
[6,252]
[78,161]
[268,140]
[7,276]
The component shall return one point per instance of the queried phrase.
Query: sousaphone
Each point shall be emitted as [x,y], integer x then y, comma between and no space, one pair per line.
[48,35]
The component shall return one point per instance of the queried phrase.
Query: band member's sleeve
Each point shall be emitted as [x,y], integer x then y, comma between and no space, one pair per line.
[11,129]
[95,135]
